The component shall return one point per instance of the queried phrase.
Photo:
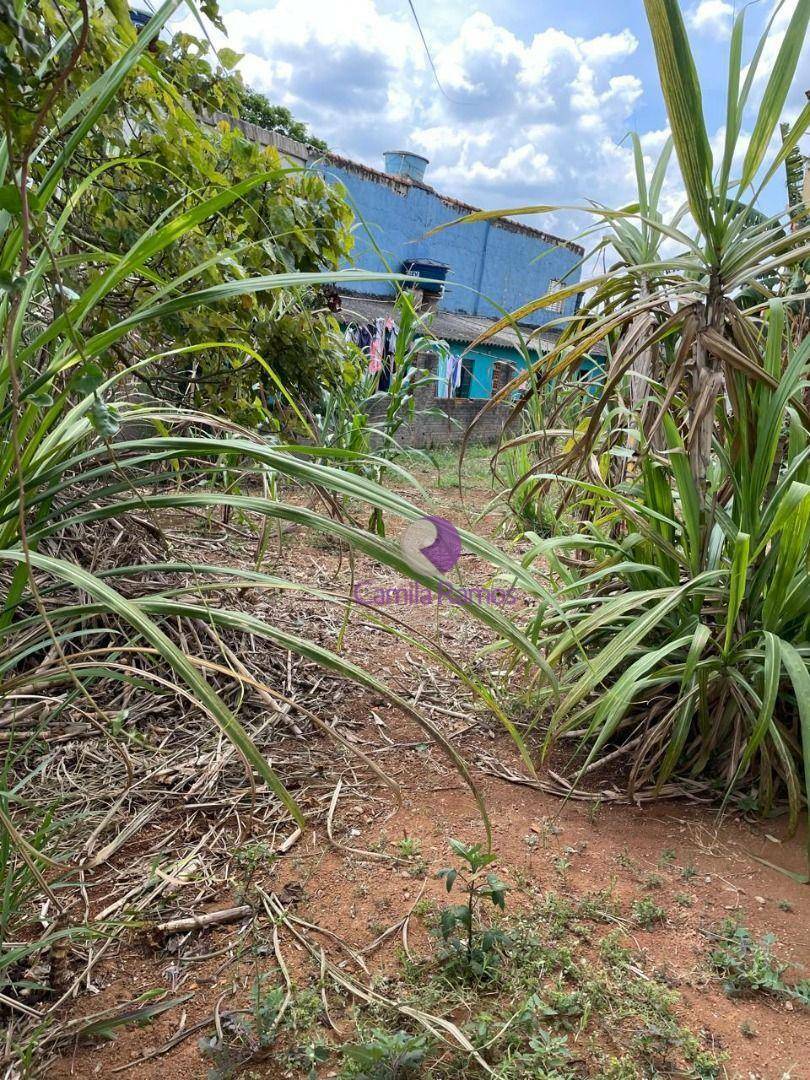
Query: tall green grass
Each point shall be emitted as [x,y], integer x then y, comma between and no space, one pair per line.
[79,448]
[682,642]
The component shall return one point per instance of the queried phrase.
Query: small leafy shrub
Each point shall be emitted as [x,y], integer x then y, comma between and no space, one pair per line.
[545,1055]
[309,1057]
[600,906]
[613,952]
[647,914]
[385,1056]
[620,1069]
[409,847]
[748,966]
[249,860]
[704,1066]
[527,1047]
[571,1008]
[471,951]
[244,1035]
[561,866]
[249,1036]
[660,1044]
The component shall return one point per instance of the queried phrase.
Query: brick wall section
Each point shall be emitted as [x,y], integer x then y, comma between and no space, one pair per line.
[502,373]
[436,431]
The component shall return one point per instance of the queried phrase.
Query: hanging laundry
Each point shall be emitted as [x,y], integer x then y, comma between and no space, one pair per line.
[454,371]
[442,380]
[375,356]
[378,330]
[390,340]
[378,340]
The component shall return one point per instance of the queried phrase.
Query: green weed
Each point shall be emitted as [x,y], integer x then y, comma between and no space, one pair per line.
[748,966]
[647,914]
[384,1056]
[409,847]
[471,950]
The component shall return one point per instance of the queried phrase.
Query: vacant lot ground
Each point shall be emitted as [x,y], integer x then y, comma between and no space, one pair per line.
[614,962]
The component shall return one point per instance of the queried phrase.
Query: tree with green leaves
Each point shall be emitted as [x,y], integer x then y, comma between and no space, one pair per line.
[150,158]
[256,108]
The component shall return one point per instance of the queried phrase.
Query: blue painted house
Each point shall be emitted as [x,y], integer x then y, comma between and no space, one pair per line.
[488,268]
[485,268]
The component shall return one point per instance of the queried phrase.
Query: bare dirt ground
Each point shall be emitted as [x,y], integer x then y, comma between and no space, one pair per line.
[362,880]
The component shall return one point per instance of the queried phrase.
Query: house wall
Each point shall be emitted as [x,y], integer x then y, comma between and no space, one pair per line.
[484,361]
[442,421]
[494,265]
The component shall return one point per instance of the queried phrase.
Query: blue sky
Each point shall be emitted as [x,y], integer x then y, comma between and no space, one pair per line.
[537,97]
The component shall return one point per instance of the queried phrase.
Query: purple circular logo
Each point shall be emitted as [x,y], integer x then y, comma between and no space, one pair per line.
[431,543]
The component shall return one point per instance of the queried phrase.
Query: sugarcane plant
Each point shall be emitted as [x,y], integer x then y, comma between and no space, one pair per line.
[358,416]
[683,640]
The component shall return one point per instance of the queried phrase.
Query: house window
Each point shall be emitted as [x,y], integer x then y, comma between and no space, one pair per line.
[554,286]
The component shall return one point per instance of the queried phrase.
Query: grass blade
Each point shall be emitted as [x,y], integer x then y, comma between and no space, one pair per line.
[684,102]
[779,83]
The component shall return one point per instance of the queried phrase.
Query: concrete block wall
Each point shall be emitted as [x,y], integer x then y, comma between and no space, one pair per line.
[295,152]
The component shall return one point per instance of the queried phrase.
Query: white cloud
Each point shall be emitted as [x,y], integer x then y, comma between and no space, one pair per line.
[610,46]
[514,119]
[782,15]
[713,17]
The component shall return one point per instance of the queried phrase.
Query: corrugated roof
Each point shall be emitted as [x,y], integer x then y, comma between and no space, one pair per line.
[456,327]
[447,325]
